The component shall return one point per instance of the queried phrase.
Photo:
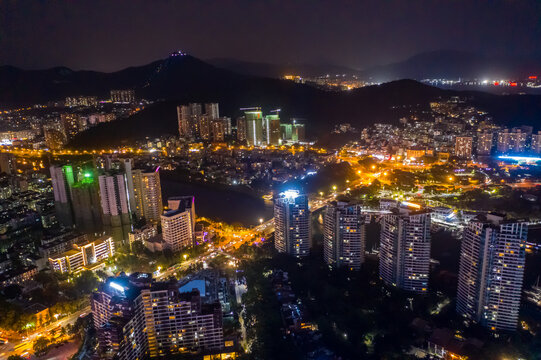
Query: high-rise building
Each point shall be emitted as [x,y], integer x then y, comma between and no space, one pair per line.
[126,96]
[286,131]
[204,127]
[195,113]
[178,223]
[344,235]
[217,130]
[54,139]
[536,143]
[241,129]
[70,124]
[147,192]
[513,141]
[254,126]
[212,111]
[463,147]
[86,204]
[298,133]
[126,165]
[8,163]
[114,198]
[484,143]
[518,139]
[137,318]
[227,125]
[492,258]
[404,256]
[272,129]
[62,178]
[184,122]
[292,232]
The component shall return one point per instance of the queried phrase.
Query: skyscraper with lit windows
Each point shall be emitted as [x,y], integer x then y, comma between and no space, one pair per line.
[404,255]
[492,259]
[178,223]
[147,192]
[292,233]
[344,235]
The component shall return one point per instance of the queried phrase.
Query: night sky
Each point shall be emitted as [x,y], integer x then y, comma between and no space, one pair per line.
[109,35]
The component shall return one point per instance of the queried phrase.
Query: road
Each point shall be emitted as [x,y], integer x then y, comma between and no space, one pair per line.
[9,349]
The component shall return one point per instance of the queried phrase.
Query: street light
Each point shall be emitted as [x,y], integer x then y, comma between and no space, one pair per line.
[185,256]
[334,187]
[261,220]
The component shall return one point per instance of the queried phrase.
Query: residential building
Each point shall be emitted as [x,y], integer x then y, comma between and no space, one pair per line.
[404,256]
[463,147]
[484,143]
[147,194]
[292,232]
[536,143]
[83,256]
[344,235]
[254,126]
[178,223]
[241,129]
[492,259]
[272,129]
[137,318]
[126,96]
[63,178]
[114,198]
[212,110]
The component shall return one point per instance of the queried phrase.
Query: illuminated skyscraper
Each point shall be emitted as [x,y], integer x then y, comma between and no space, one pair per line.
[184,119]
[536,143]
[254,126]
[148,194]
[212,110]
[178,223]
[62,178]
[484,143]
[513,141]
[71,124]
[292,232]
[114,198]
[137,318]
[344,235]
[298,133]
[463,147]
[272,129]
[404,256]
[217,130]
[241,129]
[491,272]
[86,204]
[204,127]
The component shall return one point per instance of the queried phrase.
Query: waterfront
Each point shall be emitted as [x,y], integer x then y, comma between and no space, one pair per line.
[219,204]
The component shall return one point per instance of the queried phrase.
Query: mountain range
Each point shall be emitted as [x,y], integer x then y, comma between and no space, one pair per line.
[182,78]
[440,64]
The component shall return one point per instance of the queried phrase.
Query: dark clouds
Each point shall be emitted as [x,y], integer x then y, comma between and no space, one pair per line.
[109,35]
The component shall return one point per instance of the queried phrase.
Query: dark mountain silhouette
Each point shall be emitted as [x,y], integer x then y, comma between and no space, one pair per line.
[182,79]
[279,70]
[322,110]
[452,64]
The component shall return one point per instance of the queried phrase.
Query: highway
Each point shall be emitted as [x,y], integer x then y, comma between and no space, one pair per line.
[8,349]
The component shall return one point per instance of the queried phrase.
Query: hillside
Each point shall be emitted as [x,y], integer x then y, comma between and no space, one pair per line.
[182,79]
[322,110]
